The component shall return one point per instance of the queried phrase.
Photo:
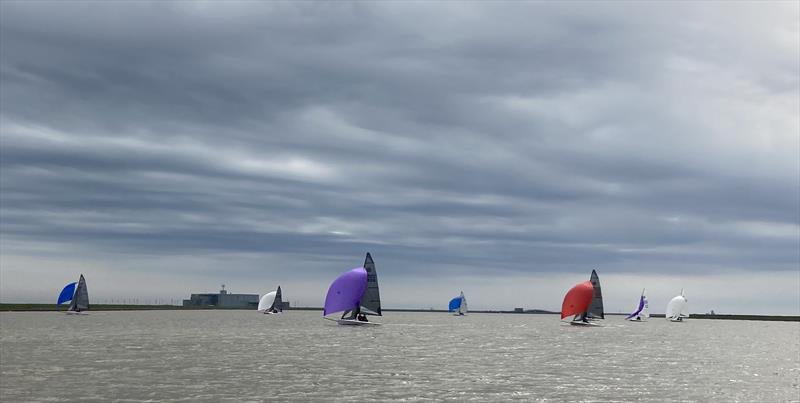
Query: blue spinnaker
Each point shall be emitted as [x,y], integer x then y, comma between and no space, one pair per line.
[455,303]
[66,293]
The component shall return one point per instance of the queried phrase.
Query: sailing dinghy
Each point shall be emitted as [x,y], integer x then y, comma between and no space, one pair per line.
[271,302]
[356,294]
[675,309]
[78,294]
[458,305]
[576,302]
[642,312]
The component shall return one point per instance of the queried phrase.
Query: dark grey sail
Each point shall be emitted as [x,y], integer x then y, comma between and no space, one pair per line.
[277,304]
[596,307]
[80,302]
[371,300]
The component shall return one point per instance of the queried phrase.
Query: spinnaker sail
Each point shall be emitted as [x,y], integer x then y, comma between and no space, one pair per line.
[458,305]
[577,299]
[675,308]
[642,311]
[66,293]
[345,293]
[271,302]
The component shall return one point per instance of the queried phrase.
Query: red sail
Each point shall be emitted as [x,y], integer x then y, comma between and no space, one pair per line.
[577,299]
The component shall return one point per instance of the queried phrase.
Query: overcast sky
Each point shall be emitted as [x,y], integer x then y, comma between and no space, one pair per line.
[506,149]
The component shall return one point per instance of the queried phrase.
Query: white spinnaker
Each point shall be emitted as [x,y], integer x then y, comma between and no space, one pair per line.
[266,301]
[675,307]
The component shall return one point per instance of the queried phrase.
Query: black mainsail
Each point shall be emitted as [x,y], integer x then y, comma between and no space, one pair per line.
[596,307]
[277,304]
[80,302]
[371,300]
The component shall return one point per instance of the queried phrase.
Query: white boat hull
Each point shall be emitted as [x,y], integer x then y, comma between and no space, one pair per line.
[75,313]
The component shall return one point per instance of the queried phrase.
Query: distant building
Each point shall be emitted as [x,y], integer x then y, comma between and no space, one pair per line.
[519,310]
[223,300]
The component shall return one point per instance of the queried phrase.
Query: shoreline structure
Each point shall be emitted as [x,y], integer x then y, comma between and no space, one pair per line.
[129,307]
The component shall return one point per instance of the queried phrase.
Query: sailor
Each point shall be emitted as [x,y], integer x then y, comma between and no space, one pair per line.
[362,318]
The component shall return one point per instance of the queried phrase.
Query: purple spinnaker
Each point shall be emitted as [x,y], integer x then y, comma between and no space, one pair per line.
[345,292]
[641,306]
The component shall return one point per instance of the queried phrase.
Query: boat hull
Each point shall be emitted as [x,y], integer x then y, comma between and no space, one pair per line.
[353,322]
[582,323]
[75,313]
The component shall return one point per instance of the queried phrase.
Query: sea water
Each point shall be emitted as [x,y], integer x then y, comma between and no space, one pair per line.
[237,356]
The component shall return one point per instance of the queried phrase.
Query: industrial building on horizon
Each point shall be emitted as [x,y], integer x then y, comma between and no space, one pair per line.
[223,299]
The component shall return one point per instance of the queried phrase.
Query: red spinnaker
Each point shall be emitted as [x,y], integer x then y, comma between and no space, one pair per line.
[577,299]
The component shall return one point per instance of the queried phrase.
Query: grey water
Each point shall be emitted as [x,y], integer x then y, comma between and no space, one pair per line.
[239,356]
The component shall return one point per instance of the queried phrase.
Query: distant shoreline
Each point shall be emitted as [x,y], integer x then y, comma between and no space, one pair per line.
[124,307]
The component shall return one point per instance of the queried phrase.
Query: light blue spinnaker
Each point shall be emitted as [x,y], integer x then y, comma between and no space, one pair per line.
[66,293]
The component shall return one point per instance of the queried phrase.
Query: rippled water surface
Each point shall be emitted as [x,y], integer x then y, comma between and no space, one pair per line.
[245,356]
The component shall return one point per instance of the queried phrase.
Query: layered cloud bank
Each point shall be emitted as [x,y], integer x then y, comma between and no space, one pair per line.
[188,144]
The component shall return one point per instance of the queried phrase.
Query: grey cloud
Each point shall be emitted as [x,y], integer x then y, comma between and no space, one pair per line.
[524,137]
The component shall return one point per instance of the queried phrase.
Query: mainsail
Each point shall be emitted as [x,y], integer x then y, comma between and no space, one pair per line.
[371,300]
[577,299]
[277,304]
[271,302]
[596,308]
[80,301]
[641,312]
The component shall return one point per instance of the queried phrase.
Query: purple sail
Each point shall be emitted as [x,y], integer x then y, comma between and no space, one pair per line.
[345,292]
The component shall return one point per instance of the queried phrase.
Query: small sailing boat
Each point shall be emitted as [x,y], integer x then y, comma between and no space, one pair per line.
[271,302]
[675,309]
[78,294]
[576,302]
[642,312]
[458,305]
[355,293]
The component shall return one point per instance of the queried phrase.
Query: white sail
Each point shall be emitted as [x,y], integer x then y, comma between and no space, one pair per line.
[266,301]
[675,307]
[462,310]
